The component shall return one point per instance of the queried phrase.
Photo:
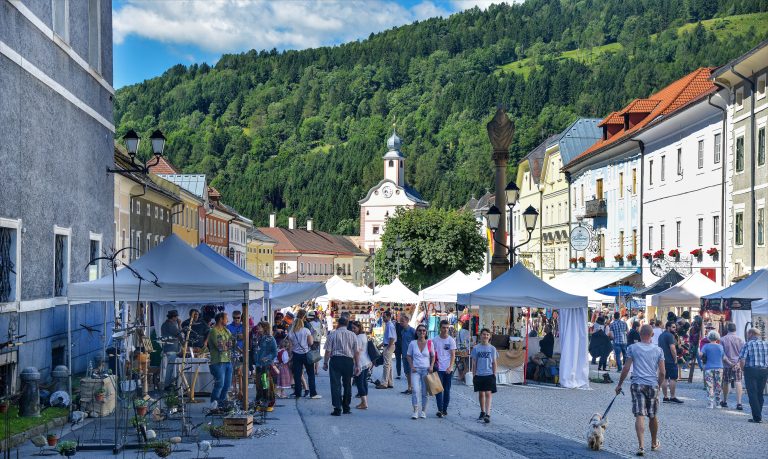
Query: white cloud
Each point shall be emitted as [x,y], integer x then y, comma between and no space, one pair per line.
[482,4]
[237,25]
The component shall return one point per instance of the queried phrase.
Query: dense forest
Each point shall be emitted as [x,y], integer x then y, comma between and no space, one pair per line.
[302,132]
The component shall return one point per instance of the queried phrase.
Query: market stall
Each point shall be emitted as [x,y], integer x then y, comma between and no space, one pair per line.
[439,300]
[760,317]
[344,297]
[734,303]
[519,288]
[684,295]
[586,284]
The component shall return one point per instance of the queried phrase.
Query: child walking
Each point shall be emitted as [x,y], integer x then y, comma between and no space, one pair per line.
[484,358]
[284,379]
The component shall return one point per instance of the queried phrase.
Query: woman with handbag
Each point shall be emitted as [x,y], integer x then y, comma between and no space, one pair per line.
[301,341]
[364,364]
[265,351]
[421,359]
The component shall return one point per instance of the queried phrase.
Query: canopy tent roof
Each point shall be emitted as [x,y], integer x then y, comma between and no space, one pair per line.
[337,289]
[617,290]
[666,281]
[586,282]
[760,307]
[183,275]
[289,293]
[449,288]
[520,288]
[396,292]
[687,293]
[754,287]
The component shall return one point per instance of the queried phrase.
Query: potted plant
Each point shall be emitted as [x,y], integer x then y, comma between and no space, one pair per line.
[697,254]
[171,400]
[674,253]
[619,259]
[599,261]
[632,258]
[713,252]
[573,261]
[648,256]
[52,439]
[161,448]
[141,406]
[100,395]
[583,261]
[67,448]
[659,254]
[137,421]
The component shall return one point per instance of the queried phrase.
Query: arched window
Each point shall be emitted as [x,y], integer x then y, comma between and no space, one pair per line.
[391,163]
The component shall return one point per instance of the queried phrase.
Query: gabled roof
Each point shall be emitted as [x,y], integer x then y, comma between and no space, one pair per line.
[535,157]
[577,137]
[257,235]
[194,183]
[301,241]
[613,118]
[640,106]
[678,94]
[412,194]
[163,167]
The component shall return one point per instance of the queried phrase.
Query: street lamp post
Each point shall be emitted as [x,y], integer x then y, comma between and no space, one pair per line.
[132,141]
[493,217]
[500,133]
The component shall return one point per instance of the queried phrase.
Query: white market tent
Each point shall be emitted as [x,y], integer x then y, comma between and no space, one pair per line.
[337,289]
[585,283]
[447,289]
[686,294]
[396,292]
[754,287]
[518,287]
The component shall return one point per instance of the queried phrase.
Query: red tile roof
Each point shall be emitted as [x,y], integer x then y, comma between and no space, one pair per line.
[315,242]
[678,94]
[163,167]
[613,118]
[213,193]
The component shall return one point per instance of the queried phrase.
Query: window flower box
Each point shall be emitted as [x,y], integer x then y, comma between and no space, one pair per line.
[697,254]
[675,254]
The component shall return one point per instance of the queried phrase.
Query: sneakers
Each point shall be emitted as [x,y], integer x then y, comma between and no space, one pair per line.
[739,407]
[487,419]
[316,397]
[214,405]
[439,414]
[675,400]
[407,392]
[336,413]
[724,404]
[481,417]
[415,415]
[665,400]
[306,393]
[711,405]
[445,414]
[423,415]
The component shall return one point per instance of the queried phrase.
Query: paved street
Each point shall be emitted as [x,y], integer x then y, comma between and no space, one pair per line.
[527,421]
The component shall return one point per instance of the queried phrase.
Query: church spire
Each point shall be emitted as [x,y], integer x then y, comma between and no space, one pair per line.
[394,160]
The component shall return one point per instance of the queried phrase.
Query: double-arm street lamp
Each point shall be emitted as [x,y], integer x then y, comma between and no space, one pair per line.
[493,216]
[396,253]
[132,141]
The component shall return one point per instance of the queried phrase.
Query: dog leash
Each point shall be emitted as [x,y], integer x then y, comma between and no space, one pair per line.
[611,404]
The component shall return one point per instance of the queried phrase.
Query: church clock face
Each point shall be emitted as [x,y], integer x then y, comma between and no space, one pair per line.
[387,191]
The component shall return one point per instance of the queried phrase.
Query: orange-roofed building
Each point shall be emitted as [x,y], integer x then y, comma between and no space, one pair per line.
[608,179]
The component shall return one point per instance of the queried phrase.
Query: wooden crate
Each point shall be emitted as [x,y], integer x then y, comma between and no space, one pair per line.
[238,426]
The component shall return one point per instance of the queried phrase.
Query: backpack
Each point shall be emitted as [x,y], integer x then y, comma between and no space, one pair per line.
[374,354]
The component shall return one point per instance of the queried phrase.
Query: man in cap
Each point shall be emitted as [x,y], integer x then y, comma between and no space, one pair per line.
[170,333]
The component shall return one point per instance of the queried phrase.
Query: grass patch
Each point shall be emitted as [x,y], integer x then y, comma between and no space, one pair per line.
[19,425]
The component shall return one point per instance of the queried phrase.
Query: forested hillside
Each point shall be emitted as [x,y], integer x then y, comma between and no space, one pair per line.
[302,132]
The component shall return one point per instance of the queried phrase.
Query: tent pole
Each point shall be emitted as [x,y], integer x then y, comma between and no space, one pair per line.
[246,350]
[69,351]
[525,363]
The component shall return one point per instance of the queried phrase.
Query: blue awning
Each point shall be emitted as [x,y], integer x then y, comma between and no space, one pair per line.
[617,290]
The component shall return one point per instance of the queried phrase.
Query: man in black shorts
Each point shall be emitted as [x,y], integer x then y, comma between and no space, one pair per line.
[647,363]
[668,345]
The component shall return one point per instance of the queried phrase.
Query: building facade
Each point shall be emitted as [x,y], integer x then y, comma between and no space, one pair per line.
[390,194]
[237,238]
[260,257]
[56,201]
[184,219]
[529,181]
[555,214]
[745,79]
[216,223]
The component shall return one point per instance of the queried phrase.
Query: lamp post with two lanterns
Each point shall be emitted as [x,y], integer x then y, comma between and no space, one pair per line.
[493,216]
[132,142]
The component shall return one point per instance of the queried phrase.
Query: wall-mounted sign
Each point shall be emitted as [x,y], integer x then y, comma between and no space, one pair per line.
[580,238]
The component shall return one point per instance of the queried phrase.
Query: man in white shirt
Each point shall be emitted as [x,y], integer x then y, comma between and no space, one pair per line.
[445,350]
[390,338]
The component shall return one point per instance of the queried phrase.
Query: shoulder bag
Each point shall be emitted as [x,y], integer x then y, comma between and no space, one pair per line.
[432,380]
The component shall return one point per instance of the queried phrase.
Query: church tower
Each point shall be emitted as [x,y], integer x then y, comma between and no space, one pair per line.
[394,162]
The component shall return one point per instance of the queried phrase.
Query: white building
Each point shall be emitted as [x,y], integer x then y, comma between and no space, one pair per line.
[383,200]
[683,193]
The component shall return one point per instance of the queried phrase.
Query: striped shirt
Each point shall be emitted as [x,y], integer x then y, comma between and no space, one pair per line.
[342,342]
[755,353]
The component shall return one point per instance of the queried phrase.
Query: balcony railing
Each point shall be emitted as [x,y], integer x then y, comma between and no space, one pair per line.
[596,208]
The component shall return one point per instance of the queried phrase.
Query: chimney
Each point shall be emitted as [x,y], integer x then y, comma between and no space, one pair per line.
[291,223]
[309,224]
[272,218]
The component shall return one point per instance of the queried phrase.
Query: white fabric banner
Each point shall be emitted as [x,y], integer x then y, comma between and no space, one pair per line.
[574,366]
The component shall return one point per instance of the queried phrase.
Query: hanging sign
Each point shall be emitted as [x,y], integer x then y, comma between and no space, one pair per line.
[580,238]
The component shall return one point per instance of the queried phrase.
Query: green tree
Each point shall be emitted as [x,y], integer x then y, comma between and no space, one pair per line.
[440,242]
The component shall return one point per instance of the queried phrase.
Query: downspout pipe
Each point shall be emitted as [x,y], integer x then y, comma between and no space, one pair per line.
[570,217]
[724,164]
[641,144]
[752,164]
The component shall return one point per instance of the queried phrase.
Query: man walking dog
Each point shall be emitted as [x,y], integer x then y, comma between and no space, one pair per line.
[647,362]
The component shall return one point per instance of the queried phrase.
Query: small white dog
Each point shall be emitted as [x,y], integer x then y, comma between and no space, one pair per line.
[596,432]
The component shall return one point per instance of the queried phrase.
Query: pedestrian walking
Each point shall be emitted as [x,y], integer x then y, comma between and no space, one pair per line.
[648,371]
[484,357]
[341,356]
[600,345]
[265,352]
[633,335]
[238,330]
[301,342]
[617,331]
[171,336]
[284,378]
[407,335]
[694,337]
[754,361]
[712,354]
[364,365]
[390,338]
[657,331]
[421,359]
[668,344]
[445,355]
[220,343]
[732,373]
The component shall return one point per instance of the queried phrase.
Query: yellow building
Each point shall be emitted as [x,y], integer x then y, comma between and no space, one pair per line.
[554,215]
[528,180]
[186,219]
[260,257]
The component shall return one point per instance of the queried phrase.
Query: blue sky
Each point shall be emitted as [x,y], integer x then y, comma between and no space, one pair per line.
[152,35]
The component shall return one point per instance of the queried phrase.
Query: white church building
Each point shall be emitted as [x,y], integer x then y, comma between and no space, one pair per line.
[383,200]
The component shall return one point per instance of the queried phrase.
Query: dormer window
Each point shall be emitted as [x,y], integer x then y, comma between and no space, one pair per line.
[626,121]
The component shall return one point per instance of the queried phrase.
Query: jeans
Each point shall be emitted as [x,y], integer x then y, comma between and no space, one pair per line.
[399,357]
[386,376]
[170,368]
[361,381]
[222,375]
[419,387]
[755,379]
[444,397]
[340,370]
[620,352]
[301,362]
